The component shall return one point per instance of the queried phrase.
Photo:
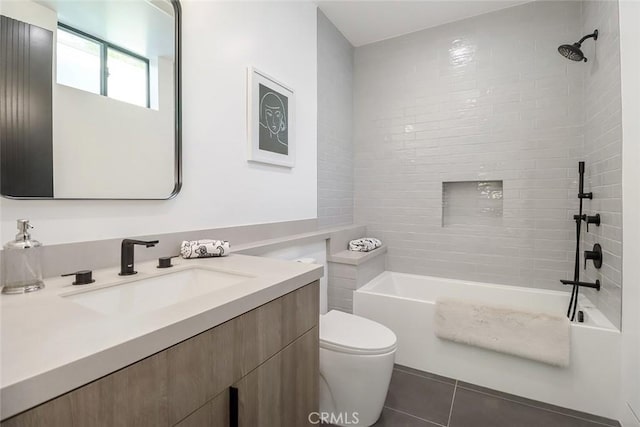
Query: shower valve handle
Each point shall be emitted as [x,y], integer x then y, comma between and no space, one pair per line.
[595,255]
[593,219]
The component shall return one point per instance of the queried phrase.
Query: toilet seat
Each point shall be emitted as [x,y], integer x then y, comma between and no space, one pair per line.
[351,334]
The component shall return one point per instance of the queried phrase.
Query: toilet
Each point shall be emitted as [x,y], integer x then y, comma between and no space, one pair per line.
[356,362]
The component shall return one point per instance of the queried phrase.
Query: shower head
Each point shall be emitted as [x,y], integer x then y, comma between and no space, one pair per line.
[573,51]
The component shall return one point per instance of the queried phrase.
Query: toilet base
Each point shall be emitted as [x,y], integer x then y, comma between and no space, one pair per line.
[353,387]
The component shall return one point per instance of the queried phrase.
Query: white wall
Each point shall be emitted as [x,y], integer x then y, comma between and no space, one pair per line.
[630,68]
[31,12]
[94,136]
[220,40]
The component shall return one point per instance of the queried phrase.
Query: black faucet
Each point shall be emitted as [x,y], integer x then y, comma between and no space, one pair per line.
[126,254]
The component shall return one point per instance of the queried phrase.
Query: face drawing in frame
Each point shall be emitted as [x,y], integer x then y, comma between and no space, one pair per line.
[273,121]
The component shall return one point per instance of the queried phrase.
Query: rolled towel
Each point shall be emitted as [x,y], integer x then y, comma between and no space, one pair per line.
[204,248]
[365,244]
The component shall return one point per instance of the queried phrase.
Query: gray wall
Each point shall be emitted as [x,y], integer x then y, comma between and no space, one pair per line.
[603,151]
[490,99]
[335,119]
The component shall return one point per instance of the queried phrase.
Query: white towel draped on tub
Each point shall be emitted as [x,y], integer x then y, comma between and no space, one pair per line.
[537,336]
[204,248]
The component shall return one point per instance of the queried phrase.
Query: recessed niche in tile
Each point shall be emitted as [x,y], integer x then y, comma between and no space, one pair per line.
[472,203]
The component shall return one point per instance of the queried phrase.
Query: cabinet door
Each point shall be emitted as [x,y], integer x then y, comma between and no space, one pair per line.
[133,396]
[205,365]
[214,413]
[284,390]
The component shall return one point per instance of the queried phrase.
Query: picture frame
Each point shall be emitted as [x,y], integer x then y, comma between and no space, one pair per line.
[270,120]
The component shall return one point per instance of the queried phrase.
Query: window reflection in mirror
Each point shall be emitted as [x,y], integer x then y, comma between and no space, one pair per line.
[82,64]
[78,61]
[127,77]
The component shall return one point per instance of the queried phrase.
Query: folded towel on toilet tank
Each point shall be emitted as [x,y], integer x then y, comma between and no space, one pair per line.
[365,244]
[204,248]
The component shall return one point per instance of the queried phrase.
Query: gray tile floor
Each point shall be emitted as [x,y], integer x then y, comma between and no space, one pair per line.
[420,399]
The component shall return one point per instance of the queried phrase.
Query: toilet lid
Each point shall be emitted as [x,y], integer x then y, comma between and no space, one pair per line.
[348,333]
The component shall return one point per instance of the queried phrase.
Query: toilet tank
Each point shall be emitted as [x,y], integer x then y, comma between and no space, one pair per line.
[315,253]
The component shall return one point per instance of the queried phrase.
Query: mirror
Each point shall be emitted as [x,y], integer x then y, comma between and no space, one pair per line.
[90,94]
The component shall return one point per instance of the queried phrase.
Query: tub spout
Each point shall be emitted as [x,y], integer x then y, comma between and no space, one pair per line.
[583,284]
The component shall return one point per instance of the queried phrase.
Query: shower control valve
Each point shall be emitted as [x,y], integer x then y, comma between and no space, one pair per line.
[595,255]
[592,219]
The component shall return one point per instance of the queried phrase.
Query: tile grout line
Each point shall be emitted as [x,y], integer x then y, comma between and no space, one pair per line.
[537,407]
[457,383]
[453,398]
[414,416]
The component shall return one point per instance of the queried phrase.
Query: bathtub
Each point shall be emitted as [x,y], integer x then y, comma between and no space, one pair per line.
[405,303]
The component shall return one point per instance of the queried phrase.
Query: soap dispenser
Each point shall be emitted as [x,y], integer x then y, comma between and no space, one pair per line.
[21,267]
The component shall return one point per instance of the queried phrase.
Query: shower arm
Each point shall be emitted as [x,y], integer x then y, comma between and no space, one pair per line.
[593,35]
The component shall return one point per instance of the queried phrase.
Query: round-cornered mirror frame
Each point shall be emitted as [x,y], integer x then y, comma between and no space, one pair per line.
[177,125]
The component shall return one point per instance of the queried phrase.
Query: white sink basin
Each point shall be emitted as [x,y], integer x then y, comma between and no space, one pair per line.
[147,294]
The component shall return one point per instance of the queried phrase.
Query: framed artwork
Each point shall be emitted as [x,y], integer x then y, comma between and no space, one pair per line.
[271,120]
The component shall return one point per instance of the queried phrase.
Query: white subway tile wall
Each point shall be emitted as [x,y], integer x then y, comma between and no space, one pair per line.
[335,120]
[488,98]
[603,151]
[346,278]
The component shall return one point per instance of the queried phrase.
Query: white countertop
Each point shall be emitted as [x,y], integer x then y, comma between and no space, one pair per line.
[51,345]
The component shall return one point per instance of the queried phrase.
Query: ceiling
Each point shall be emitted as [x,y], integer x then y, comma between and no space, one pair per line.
[144,27]
[364,22]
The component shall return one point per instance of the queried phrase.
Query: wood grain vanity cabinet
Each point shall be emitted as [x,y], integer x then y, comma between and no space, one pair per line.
[269,355]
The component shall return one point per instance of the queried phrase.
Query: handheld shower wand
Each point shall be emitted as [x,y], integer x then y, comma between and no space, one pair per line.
[581,193]
[573,303]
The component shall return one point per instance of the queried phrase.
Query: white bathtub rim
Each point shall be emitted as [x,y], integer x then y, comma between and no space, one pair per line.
[373,282]
[584,303]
